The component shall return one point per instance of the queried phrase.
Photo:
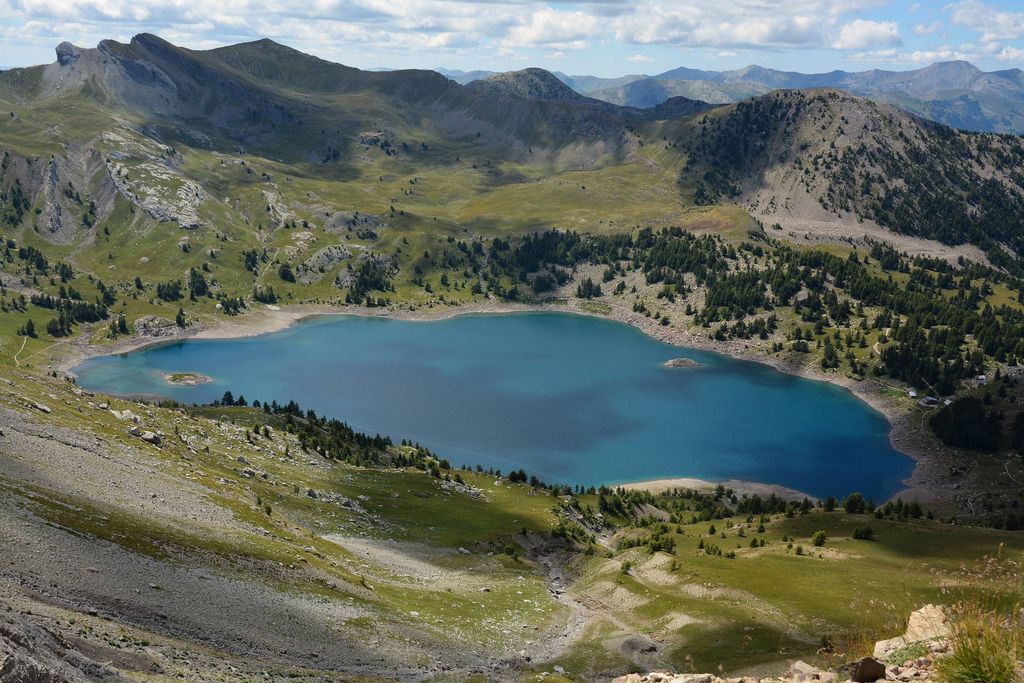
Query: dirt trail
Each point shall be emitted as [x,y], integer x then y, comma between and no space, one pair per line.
[17,363]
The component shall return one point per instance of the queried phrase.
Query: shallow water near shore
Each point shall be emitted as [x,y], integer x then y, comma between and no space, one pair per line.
[568,398]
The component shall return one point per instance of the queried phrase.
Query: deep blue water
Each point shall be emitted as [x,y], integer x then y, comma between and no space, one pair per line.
[568,398]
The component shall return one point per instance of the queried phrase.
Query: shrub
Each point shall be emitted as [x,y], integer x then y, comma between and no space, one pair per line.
[864,533]
[819,538]
[984,647]
[661,543]
[854,504]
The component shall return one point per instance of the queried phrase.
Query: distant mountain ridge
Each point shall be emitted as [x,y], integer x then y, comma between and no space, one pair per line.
[264,95]
[153,129]
[955,93]
[266,99]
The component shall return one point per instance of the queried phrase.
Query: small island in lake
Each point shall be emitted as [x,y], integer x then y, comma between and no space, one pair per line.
[681,363]
[186,379]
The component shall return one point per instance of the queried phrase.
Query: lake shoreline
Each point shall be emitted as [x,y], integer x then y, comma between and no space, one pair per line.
[925,483]
[739,486]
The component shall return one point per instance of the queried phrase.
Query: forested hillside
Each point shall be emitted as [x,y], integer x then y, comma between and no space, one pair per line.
[863,161]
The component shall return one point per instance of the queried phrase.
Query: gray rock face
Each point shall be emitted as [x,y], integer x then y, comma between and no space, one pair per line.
[316,267]
[928,625]
[19,668]
[155,326]
[341,221]
[150,437]
[368,262]
[31,654]
[67,53]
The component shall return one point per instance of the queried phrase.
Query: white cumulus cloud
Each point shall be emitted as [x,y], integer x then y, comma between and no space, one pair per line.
[991,23]
[863,34]
[554,28]
[478,33]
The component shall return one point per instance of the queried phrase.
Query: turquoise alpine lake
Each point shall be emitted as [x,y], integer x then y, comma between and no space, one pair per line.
[568,398]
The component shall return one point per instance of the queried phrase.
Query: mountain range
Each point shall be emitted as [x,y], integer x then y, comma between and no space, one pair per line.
[955,93]
[155,126]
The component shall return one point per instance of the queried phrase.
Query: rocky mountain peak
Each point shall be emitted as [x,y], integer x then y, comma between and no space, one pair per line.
[533,83]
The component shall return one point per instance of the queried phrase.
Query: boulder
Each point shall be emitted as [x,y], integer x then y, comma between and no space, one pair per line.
[126,415]
[927,625]
[868,670]
[801,667]
[150,437]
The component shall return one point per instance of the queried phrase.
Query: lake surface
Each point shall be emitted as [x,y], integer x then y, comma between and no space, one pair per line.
[569,398]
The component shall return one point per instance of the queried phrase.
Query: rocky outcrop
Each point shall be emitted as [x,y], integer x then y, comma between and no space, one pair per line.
[155,326]
[682,363]
[927,627]
[342,221]
[67,53]
[317,266]
[68,194]
[32,654]
[374,266]
[160,189]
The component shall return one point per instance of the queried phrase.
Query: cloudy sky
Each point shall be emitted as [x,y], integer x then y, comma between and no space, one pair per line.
[598,37]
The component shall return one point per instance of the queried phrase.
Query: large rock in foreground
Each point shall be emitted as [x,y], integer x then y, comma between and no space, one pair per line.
[927,626]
